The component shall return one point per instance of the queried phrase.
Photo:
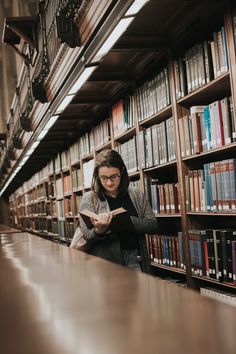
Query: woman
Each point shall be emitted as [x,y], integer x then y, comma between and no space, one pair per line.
[110,190]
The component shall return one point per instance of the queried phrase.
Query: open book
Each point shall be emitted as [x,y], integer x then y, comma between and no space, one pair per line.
[120,219]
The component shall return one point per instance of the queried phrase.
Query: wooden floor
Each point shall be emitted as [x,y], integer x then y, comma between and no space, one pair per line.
[55,300]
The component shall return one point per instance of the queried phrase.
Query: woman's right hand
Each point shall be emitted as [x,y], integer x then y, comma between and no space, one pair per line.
[102,225]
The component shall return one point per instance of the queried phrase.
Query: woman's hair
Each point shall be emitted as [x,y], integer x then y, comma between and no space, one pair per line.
[109,158]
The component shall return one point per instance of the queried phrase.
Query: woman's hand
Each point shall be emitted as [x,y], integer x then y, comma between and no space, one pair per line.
[102,225]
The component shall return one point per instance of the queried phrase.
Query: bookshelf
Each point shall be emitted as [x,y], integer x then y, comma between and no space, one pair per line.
[174,125]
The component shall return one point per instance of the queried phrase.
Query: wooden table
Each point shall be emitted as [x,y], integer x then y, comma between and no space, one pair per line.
[4,229]
[55,300]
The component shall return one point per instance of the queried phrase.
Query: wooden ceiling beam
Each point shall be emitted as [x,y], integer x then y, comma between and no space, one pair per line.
[92,99]
[142,42]
[114,75]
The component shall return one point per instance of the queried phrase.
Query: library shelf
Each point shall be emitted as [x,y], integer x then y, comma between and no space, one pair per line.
[168,215]
[59,197]
[129,133]
[77,190]
[134,174]
[165,216]
[68,194]
[162,166]
[58,172]
[51,234]
[212,152]
[214,281]
[103,147]
[52,197]
[87,157]
[213,214]
[75,163]
[215,89]
[157,117]
[172,269]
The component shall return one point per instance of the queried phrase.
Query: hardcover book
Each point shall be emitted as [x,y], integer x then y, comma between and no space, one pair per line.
[121,221]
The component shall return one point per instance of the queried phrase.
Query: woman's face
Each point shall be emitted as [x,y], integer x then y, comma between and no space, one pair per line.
[110,178]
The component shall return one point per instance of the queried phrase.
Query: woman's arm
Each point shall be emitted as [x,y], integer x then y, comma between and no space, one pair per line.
[146,221]
[88,202]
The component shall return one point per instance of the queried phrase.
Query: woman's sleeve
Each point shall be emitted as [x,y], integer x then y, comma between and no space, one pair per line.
[146,222]
[88,203]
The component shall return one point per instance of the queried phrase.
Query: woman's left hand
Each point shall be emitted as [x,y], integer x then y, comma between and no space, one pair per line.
[103,223]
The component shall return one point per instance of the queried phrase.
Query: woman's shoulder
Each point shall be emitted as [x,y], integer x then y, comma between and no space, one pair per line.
[88,195]
[89,200]
[135,192]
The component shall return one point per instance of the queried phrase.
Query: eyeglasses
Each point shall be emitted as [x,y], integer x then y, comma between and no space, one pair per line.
[112,178]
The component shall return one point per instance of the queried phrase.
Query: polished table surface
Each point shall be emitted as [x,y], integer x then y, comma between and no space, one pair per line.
[4,229]
[57,300]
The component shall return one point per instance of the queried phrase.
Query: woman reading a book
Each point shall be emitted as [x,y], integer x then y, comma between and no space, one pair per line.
[120,216]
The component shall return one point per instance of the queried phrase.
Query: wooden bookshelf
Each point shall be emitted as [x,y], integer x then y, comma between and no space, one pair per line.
[142,119]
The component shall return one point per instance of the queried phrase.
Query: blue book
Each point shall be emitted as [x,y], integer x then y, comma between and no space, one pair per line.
[207,121]
[209,200]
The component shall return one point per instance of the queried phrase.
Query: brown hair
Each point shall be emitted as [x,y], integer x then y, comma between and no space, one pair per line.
[109,158]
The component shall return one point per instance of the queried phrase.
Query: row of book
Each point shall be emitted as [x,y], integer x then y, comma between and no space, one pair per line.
[123,115]
[219,295]
[64,230]
[77,202]
[213,253]
[67,184]
[64,208]
[68,207]
[201,63]
[38,209]
[157,144]
[60,209]
[153,95]
[96,137]
[88,167]
[167,250]
[64,184]
[59,187]
[55,208]
[33,209]
[34,224]
[212,189]
[128,151]
[164,198]
[37,193]
[77,179]
[135,184]
[207,127]
[57,166]
[74,153]
[51,187]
